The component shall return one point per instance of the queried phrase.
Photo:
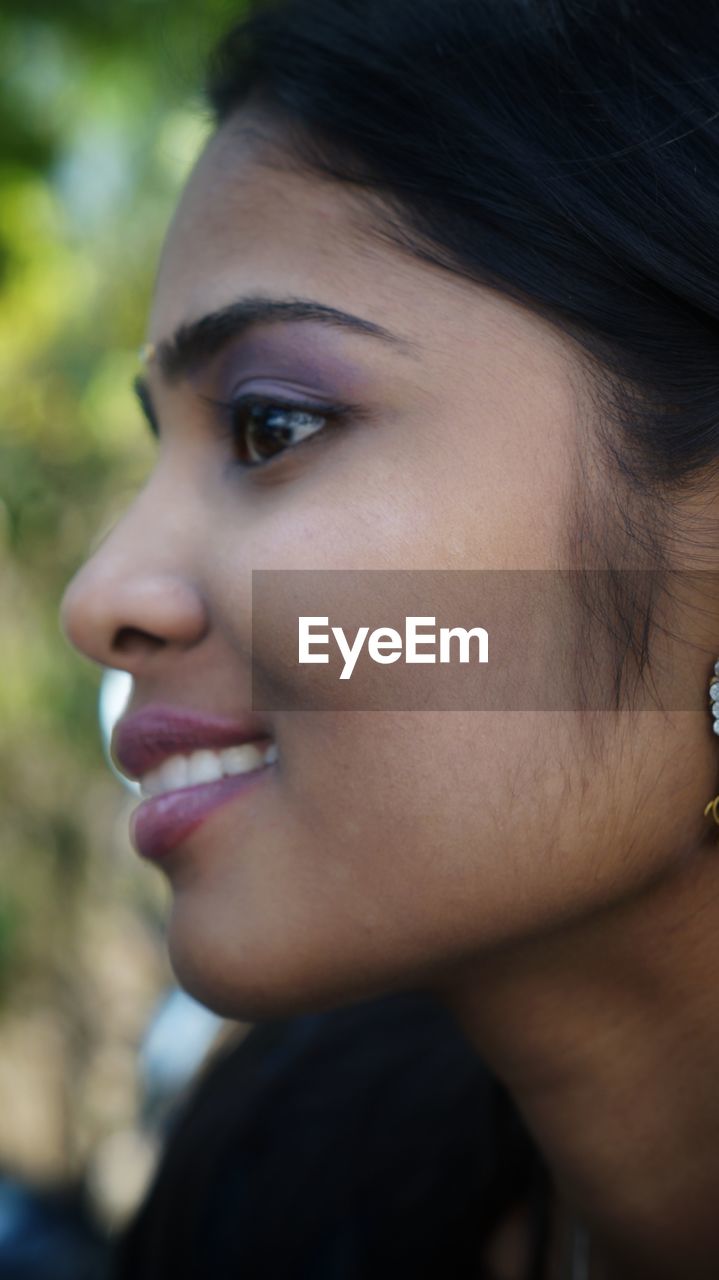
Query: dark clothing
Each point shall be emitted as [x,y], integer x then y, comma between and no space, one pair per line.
[366,1143]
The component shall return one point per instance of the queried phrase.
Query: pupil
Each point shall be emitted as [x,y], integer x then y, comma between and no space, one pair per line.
[263,430]
[270,431]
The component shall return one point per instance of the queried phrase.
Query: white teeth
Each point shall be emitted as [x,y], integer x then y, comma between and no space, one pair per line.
[205,766]
[151,783]
[174,773]
[241,759]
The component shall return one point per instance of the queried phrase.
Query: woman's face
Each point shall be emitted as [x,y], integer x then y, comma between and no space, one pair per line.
[384,849]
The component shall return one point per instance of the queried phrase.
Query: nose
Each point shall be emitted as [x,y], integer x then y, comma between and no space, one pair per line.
[133,600]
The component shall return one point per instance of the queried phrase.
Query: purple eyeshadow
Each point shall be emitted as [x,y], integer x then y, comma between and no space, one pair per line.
[289,355]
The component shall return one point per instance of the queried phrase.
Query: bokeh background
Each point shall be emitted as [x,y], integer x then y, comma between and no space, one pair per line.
[101,117]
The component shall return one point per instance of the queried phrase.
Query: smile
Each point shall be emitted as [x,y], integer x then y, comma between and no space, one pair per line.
[182,771]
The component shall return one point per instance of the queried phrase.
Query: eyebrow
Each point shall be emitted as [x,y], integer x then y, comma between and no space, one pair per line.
[198,340]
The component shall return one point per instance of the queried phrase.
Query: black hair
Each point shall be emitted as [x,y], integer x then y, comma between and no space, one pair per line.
[364,1143]
[564,153]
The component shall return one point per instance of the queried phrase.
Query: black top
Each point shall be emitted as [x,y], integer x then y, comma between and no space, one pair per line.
[366,1143]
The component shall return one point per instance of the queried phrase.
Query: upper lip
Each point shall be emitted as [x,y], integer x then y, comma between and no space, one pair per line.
[142,740]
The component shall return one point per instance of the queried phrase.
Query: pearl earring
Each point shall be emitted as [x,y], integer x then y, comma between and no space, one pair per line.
[713,806]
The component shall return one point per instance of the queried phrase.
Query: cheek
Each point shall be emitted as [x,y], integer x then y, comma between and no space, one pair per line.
[452,826]
[394,848]
[397,846]
[425,488]
[457,831]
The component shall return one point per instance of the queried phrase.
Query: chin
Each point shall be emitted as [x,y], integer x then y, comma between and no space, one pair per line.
[256,982]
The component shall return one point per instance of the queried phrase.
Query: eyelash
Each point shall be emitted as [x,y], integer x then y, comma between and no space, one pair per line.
[246,410]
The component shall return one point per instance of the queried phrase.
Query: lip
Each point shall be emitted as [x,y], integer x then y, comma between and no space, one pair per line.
[162,822]
[143,740]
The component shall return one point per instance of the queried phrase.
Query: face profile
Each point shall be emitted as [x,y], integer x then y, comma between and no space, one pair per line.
[329,388]
[298,890]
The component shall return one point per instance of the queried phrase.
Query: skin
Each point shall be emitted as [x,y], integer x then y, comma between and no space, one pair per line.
[562,901]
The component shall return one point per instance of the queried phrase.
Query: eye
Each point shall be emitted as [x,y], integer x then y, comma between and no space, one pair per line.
[262,428]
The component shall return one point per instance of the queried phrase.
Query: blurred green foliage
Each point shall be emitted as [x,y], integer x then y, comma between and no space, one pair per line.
[100,119]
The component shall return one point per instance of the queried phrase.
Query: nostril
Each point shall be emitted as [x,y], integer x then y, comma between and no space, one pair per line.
[130,640]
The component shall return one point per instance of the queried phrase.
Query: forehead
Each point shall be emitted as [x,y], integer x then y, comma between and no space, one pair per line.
[252,222]
[249,222]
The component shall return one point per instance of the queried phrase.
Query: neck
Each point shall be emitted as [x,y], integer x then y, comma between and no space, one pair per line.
[607,1036]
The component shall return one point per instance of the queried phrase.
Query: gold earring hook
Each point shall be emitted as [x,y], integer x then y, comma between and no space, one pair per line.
[711,808]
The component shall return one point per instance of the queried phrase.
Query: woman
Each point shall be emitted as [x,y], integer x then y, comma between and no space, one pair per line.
[441,293]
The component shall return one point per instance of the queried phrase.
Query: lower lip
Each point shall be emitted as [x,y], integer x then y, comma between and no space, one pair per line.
[161,822]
